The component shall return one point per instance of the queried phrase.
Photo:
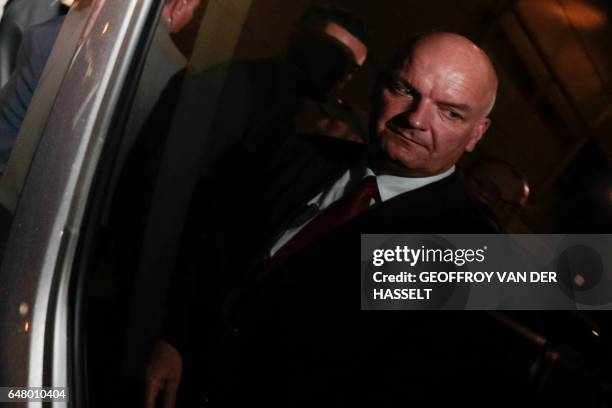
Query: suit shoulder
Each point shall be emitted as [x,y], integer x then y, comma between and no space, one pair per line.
[442,207]
[475,217]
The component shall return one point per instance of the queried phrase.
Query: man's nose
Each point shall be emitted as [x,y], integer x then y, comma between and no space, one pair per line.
[418,114]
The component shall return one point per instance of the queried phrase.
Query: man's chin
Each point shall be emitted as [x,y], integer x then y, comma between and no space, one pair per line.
[401,150]
[401,162]
[392,156]
[396,166]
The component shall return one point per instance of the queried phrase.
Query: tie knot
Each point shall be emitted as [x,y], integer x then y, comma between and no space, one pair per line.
[367,189]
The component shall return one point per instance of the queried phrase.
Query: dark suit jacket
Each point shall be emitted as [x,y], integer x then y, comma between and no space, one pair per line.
[296,336]
[198,118]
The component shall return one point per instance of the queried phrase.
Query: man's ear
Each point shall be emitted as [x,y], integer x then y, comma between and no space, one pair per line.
[167,11]
[178,13]
[477,134]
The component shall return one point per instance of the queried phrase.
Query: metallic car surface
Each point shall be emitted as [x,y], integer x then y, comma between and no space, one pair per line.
[47,183]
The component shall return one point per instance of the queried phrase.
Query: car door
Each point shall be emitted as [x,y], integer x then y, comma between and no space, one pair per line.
[46,187]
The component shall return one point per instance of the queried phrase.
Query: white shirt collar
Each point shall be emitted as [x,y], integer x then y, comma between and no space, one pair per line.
[391,186]
[388,186]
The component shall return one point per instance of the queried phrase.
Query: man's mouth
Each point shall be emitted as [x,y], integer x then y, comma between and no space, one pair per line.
[405,136]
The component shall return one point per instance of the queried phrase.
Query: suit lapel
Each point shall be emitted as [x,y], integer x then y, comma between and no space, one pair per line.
[307,165]
[306,169]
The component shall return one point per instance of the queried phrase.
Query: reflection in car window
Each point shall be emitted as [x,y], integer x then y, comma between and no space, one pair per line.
[211,87]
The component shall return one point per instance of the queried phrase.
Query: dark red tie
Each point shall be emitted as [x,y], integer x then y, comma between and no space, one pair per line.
[349,206]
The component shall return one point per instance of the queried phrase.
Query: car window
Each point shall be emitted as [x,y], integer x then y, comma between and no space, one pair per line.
[190,83]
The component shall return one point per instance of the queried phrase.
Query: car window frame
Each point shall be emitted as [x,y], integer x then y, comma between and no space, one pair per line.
[48,181]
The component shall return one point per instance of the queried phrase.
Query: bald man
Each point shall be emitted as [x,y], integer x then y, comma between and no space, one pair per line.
[434,106]
[272,258]
[431,107]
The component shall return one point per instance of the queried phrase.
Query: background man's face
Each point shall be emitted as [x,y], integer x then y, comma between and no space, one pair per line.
[431,110]
[356,51]
[326,58]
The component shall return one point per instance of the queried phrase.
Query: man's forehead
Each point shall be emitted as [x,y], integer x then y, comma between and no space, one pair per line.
[435,78]
[454,81]
[464,59]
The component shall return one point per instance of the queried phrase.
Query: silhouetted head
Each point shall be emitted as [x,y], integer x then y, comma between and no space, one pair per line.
[327,47]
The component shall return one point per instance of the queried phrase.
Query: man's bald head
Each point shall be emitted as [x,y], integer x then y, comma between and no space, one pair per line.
[456,49]
[433,105]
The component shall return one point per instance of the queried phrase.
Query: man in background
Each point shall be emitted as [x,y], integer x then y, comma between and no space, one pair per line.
[219,109]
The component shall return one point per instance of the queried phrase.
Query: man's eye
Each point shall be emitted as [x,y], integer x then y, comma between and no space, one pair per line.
[451,114]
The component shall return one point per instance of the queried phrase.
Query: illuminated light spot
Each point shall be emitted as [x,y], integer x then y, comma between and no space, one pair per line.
[105,29]
[595,333]
[525,195]
[24,309]
[26,327]
[579,280]
[581,15]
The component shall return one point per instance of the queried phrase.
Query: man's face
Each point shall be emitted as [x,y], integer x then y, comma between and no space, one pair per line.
[355,51]
[431,110]
[326,57]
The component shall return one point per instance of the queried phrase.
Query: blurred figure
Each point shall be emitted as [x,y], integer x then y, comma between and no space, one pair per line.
[38,40]
[328,47]
[500,187]
[298,92]
[302,87]
[295,93]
